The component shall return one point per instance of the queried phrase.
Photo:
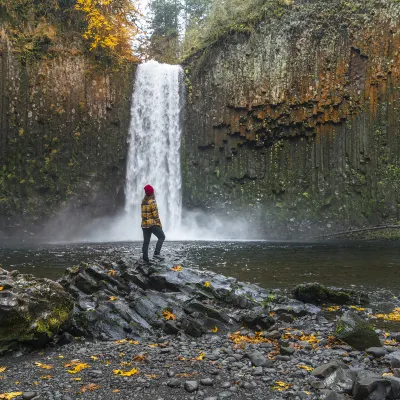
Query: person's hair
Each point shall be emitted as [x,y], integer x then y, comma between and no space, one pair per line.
[146,198]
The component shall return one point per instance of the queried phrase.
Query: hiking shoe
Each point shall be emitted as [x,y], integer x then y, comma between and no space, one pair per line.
[158,257]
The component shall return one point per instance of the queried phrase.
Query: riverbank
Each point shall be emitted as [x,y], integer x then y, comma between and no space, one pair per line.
[202,336]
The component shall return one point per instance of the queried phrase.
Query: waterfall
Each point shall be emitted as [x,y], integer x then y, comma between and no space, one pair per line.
[154,144]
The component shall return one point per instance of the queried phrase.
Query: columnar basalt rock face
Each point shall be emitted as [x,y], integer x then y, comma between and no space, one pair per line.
[64,122]
[298,119]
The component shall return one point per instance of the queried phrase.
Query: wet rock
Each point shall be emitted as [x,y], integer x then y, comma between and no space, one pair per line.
[331,395]
[174,383]
[65,338]
[356,332]
[336,376]
[394,359]
[206,382]
[258,321]
[394,387]
[32,310]
[171,328]
[191,386]
[257,358]
[316,293]
[370,385]
[29,395]
[287,351]
[376,351]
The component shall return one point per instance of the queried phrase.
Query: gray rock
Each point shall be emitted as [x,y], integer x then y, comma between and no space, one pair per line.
[258,371]
[324,370]
[206,382]
[191,386]
[394,387]
[283,358]
[370,385]
[174,383]
[331,395]
[287,351]
[356,332]
[376,351]
[225,395]
[396,372]
[29,395]
[257,358]
[394,359]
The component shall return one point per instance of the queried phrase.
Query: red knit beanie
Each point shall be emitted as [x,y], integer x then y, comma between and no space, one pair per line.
[149,190]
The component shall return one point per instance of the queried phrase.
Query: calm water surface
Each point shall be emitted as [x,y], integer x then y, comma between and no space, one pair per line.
[373,266]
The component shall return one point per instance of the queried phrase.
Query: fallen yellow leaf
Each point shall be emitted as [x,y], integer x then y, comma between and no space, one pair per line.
[1,288]
[176,268]
[151,376]
[139,358]
[76,379]
[77,366]
[112,272]
[36,383]
[201,356]
[125,364]
[119,372]
[115,391]
[46,377]
[94,358]
[91,387]
[126,341]
[60,356]
[112,298]
[168,315]
[43,366]
[306,367]
[2,369]
[207,284]
[214,330]
[10,395]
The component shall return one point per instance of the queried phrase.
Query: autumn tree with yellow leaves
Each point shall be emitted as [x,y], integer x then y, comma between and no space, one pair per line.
[111,25]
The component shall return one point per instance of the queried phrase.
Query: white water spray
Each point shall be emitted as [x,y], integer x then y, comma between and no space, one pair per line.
[154,144]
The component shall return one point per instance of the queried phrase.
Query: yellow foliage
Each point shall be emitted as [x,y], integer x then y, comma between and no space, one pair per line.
[306,367]
[10,395]
[201,356]
[77,366]
[46,377]
[139,358]
[168,315]
[112,298]
[207,284]
[43,366]
[1,288]
[119,372]
[281,386]
[176,268]
[214,330]
[112,272]
[393,316]
[2,369]
[122,341]
[111,25]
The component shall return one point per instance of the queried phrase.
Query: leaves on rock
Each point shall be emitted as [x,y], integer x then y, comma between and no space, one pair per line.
[1,288]
[207,284]
[46,377]
[76,366]
[2,369]
[112,298]
[332,308]
[176,268]
[201,356]
[139,358]
[112,272]
[94,358]
[119,372]
[10,395]
[168,315]
[122,341]
[214,330]
[91,387]
[281,386]
[393,316]
[43,366]
[306,367]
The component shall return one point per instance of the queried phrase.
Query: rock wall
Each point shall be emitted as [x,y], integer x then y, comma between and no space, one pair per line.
[64,121]
[297,118]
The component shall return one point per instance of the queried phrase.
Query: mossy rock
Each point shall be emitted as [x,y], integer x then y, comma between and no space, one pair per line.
[356,332]
[315,293]
[32,309]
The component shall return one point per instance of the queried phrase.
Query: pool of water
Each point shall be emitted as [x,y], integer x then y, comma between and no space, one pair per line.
[370,265]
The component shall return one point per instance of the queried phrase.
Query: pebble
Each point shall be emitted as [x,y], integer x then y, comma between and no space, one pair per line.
[174,383]
[191,386]
[207,382]
[29,395]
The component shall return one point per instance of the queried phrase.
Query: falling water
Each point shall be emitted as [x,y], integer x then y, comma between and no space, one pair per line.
[155,140]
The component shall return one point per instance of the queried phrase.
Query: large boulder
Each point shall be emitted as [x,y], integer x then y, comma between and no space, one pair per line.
[369,385]
[356,332]
[32,309]
[315,293]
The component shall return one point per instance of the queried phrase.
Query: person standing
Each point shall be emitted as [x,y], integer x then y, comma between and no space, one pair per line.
[151,224]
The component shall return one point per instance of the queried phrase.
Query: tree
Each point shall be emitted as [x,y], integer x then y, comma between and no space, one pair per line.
[111,25]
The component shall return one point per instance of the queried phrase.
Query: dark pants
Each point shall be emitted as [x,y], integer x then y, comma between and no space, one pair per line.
[157,231]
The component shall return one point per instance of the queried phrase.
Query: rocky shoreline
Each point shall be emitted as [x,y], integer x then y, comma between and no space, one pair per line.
[125,330]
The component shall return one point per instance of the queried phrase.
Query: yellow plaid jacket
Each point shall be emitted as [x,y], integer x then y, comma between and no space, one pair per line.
[150,215]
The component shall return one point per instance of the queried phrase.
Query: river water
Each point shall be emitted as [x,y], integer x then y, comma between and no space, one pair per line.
[373,266]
